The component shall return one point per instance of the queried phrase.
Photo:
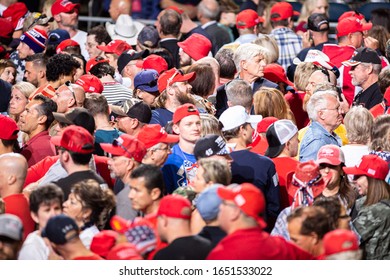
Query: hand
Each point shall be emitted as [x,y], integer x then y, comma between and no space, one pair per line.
[371,43]
[344,105]
[29,188]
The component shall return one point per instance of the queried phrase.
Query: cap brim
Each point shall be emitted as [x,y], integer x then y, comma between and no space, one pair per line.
[225,193]
[140,64]
[273,152]
[117,111]
[170,138]
[367,26]
[350,63]
[56,140]
[61,118]
[187,77]
[334,162]
[254,120]
[353,171]
[115,151]
[104,48]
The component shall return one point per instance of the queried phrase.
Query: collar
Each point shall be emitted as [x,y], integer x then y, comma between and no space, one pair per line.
[207,24]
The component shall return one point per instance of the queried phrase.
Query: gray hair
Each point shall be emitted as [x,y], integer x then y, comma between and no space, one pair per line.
[317,102]
[358,123]
[248,52]
[209,10]
[270,44]
[239,92]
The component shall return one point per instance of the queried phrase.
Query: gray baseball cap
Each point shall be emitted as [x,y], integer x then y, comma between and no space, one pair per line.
[11,226]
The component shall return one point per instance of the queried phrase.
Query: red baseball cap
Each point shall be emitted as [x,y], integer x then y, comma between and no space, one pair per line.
[14,13]
[152,134]
[282,10]
[196,46]
[63,6]
[103,242]
[9,130]
[183,111]
[175,206]
[172,76]
[275,73]
[248,198]
[348,14]
[126,145]
[66,43]
[351,25]
[263,125]
[340,240]
[175,8]
[371,166]
[124,251]
[94,61]
[330,154]
[247,19]
[115,46]
[153,61]
[76,139]
[90,83]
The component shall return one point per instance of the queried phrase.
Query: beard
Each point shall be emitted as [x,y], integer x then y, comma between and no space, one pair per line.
[184,98]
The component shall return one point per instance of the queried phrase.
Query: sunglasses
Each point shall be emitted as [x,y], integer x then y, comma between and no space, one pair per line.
[69,86]
[177,72]
[150,84]
[38,17]
[117,143]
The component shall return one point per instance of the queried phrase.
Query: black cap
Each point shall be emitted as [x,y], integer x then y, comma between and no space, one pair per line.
[210,145]
[365,55]
[140,111]
[78,116]
[60,229]
[318,22]
[128,56]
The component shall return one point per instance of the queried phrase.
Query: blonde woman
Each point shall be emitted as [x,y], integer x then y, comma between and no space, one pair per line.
[269,102]
[19,98]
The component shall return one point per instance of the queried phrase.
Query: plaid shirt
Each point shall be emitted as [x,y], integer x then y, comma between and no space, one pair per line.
[289,43]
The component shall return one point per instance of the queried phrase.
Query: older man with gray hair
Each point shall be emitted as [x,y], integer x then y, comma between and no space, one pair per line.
[365,68]
[250,60]
[325,115]
[208,13]
[239,92]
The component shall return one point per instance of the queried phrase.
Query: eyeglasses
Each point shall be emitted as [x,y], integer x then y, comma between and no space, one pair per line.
[167,148]
[338,109]
[69,86]
[117,143]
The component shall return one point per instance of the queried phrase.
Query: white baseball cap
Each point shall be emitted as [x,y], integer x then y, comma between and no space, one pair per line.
[235,116]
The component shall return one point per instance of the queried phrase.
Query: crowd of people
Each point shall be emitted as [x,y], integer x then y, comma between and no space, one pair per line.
[247,136]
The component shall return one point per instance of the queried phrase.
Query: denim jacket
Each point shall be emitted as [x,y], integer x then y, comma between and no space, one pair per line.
[316,136]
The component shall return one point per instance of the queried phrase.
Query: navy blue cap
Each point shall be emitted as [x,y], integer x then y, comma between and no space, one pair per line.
[60,229]
[146,80]
[56,36]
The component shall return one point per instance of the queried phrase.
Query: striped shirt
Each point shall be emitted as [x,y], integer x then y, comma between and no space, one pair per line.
[114,92]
